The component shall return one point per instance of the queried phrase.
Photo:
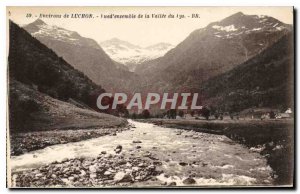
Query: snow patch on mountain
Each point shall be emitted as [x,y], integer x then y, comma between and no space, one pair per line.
[42,30]
[132,55]
[229,28]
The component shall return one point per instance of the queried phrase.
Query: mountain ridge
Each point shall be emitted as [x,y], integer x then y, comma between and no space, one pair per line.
[84,54]
[212,50]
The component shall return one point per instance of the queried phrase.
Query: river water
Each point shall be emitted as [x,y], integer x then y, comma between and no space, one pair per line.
[210,159]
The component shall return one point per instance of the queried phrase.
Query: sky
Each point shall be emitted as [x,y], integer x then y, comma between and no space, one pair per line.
[141,31]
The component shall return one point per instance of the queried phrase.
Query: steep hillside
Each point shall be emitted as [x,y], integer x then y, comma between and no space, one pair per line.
[83,54]
[212,50]
[266,80]
[32,63]
[31,110]
[41,84]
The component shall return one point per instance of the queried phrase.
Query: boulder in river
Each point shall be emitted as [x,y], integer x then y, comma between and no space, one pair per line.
[189,181]
[136,141]
[118,149]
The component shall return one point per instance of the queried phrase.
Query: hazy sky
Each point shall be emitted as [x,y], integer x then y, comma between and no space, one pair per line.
[143,32]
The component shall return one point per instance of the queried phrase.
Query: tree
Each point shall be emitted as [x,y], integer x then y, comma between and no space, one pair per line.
[205,112]
[181,113]
[192,113]
[145,114]
[133,116]
[216,115]
[172,113]
[272,115]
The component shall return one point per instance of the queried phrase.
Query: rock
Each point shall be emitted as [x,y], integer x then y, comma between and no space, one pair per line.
[118,149]
[151,167]
[82,173]
[71,178]
[93,176]
[136,141]
[138,147]
[122,177]
[107,173]
[39,175]
[114,134]
[53,176]
[103,152]
[172,184]
[93,169]
[189,181]
[183,163]
[158,163]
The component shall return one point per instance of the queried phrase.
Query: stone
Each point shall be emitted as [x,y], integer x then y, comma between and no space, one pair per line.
[82,173]
[107,173]
[183,163]
[118,149]
[39,175]
[103,152]
[93,176]
[189,181]
[92,169]
[172,184]
[136,141]
[138,147]
[122,177]
[151,167]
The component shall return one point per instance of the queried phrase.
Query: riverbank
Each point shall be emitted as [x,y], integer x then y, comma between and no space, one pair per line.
[21,143]
[274,139]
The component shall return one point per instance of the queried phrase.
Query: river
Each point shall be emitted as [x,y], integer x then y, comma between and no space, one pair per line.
[211,159]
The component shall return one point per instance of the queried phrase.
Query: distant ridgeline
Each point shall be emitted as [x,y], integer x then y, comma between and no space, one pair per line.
[34,64]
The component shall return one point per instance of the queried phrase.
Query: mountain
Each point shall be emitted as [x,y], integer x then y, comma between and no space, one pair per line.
[45,92]
[84,54]
[132,55]
[210,51]
[33,63]
[265,80]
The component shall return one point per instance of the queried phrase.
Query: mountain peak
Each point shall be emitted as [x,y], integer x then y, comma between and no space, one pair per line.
[38,22]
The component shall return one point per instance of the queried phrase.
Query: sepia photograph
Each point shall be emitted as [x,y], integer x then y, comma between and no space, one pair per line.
[150,97]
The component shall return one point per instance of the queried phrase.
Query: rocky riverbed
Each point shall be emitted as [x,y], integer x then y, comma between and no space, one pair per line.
[145,155]
[30,141]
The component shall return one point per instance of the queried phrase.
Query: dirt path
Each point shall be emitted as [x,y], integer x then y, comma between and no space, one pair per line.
[181,158]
